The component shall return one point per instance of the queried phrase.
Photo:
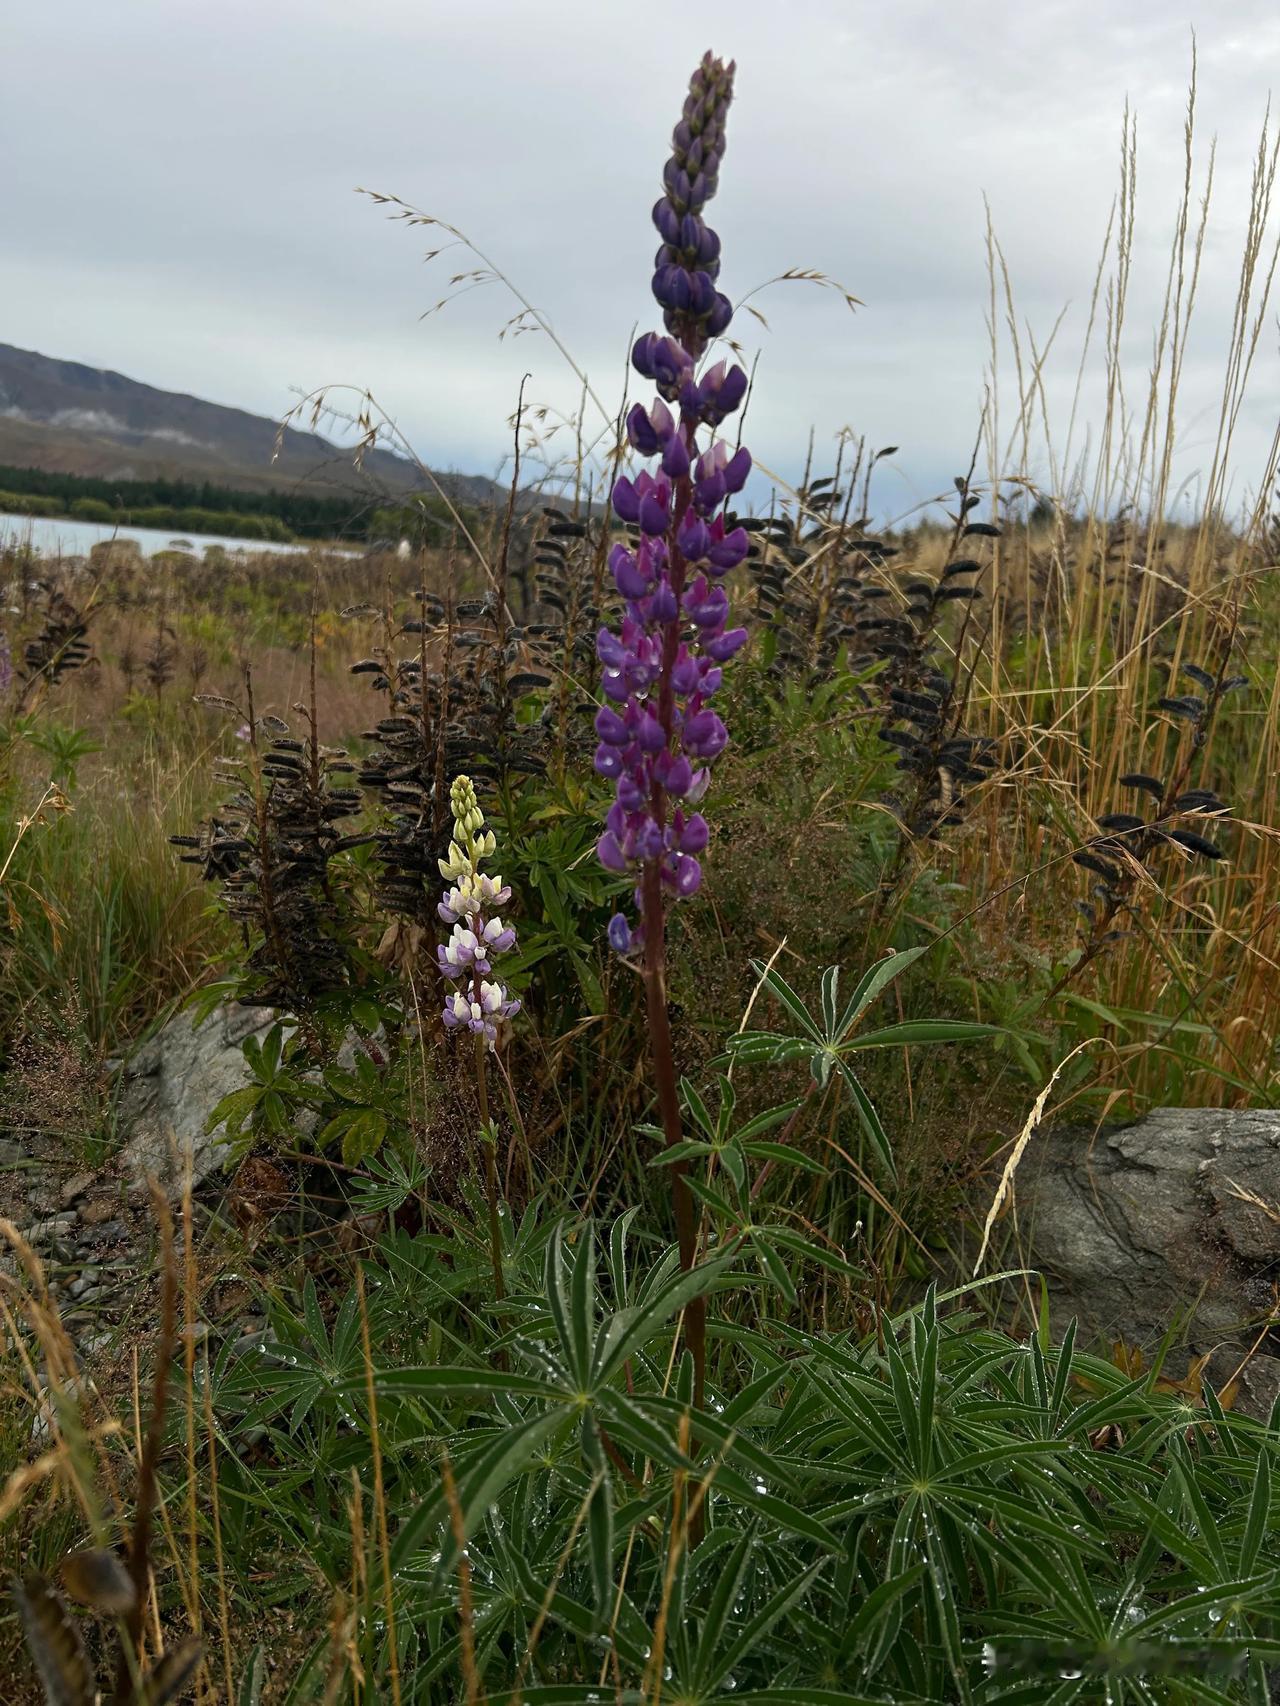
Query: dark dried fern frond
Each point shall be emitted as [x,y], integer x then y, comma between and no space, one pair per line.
[924,696]
[496,686]
[58,648]
[1127,853]
[270,850]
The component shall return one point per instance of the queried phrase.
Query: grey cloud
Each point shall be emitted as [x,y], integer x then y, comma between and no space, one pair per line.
[182,202]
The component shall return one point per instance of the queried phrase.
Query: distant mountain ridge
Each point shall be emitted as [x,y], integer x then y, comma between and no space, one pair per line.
[66,418]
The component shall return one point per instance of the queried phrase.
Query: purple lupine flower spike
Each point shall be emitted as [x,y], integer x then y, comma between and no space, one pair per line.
[657,735]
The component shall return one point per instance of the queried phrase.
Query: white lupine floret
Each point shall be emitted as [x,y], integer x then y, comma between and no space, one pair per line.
[461,946]
[478,892]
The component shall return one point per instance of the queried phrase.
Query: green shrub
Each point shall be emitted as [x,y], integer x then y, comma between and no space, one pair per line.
[27,503]
[94,509]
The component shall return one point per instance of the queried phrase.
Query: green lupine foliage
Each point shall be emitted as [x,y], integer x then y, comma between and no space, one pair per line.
[938,1514]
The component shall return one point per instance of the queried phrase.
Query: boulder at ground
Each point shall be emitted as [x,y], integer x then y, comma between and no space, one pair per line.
[1171,1222]
[169,1087]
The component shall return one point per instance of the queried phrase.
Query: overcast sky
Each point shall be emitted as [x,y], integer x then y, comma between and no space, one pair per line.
[178,199]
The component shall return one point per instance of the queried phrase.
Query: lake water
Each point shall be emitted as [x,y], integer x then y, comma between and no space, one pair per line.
[75,538]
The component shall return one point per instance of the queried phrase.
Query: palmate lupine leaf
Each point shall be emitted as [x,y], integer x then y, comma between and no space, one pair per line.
[436,1385]
[631,1425]
[922,1031]
[700,1114]
[570,1294]
[828,995]
[775,1270]
[875,1612]
[641,1324]
[718,1667]
[807,1696]
[627,1629]
[584,1359]
[1260,1588]
[600,1535]
[783,993]
[766,1121]
[691,1149]
[828,1044]
[732,1150]
[715,1621]
[784,1515]
[1258,1516]
[736,1449]
[754,1047]
[787,1239]
[578,1694]
[874,981]
[870,1120]
[741,1407]
[785,1155]
[514,1452]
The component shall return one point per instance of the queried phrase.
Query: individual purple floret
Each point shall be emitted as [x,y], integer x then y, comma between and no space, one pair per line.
[657,733]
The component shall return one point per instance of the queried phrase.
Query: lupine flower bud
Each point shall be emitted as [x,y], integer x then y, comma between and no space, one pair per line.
[626,500]
[619,934]
[718,316]
[675,458]
[653,511]
[642,429]
[611,728]
[705,736]
[723,646]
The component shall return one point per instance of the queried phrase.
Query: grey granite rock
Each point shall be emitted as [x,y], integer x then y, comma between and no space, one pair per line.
[170,1085]
[1171,1222]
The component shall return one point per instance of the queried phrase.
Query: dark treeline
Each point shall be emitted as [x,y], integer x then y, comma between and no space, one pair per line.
[303,514]
[204,507]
